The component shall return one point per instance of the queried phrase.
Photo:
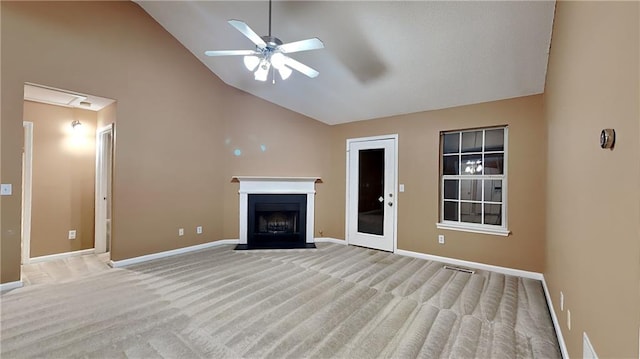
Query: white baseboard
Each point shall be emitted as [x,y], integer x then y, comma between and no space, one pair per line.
[173,252]
[10,285]
[331,240]
[556,323]
[52,257]
[474,265]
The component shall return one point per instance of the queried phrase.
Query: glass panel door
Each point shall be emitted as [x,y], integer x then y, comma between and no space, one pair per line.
[371,193]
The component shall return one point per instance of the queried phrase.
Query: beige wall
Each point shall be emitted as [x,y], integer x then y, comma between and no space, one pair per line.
[272,141]
[173,162]
[593,240]
[63,178]
[107,115]
[418,170]
[169,138]
[2,246]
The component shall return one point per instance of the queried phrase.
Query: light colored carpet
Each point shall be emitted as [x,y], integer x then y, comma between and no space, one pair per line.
[333,302]
[63,270]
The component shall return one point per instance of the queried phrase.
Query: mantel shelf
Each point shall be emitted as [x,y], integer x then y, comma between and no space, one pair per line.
[275,179]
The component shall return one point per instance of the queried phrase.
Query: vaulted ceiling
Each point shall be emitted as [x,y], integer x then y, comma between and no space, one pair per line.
[381,58]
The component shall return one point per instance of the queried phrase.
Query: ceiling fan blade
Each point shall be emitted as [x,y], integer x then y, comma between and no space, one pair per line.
[246,31]
[298,66]
[302,45]
[230,52]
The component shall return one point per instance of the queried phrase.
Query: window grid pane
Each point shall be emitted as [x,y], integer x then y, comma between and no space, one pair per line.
[451,143]
[494,140]
[451,189]
[450,209]
[450,164]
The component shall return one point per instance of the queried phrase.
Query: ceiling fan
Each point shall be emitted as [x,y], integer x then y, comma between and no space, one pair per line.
[270,53]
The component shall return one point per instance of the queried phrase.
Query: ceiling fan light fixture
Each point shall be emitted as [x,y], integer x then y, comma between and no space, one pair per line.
[284,72]
[277,60]
[251,62]
[262,72]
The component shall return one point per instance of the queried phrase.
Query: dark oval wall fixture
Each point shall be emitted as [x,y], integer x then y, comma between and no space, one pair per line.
[607,138]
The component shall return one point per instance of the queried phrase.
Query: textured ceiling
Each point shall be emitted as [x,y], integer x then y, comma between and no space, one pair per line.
[381,58]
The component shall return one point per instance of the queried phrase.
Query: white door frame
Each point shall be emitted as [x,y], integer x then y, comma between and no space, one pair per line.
[27,180]
[394,209]
[100,238]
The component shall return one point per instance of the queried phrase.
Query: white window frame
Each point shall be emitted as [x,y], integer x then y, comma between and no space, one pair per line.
[501,230]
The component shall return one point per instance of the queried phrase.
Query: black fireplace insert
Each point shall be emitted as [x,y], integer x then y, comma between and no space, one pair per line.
[276,221]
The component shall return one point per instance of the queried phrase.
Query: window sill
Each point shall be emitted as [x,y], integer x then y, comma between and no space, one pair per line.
[473,229]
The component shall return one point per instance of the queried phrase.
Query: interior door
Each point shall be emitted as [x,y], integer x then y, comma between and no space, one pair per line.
[371,186]
[104,165]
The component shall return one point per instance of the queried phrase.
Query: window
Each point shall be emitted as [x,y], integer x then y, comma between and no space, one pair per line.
[473,180]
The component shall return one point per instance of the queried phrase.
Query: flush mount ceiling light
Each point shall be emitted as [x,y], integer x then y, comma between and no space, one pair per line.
[270,53]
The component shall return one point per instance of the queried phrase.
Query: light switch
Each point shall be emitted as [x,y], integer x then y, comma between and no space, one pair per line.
[401,189]
[5,189]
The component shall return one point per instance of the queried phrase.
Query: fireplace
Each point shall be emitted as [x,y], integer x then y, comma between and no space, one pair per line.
[276,212]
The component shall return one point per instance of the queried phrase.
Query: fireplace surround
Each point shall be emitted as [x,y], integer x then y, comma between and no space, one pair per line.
[276,212]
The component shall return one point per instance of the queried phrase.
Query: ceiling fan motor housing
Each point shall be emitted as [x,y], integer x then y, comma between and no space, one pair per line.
[271,41]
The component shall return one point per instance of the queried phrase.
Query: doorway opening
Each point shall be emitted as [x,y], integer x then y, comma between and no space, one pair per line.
[27,168]
[67,164]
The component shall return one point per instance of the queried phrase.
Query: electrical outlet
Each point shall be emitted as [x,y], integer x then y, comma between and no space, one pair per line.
[199,230]
[561,301]
[569,319]
[441,238]
[181,231]
[72,234]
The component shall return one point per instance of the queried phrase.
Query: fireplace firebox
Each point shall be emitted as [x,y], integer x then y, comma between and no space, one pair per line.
[276,221]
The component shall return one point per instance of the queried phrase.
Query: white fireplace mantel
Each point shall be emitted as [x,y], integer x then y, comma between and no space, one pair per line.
[276,185]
